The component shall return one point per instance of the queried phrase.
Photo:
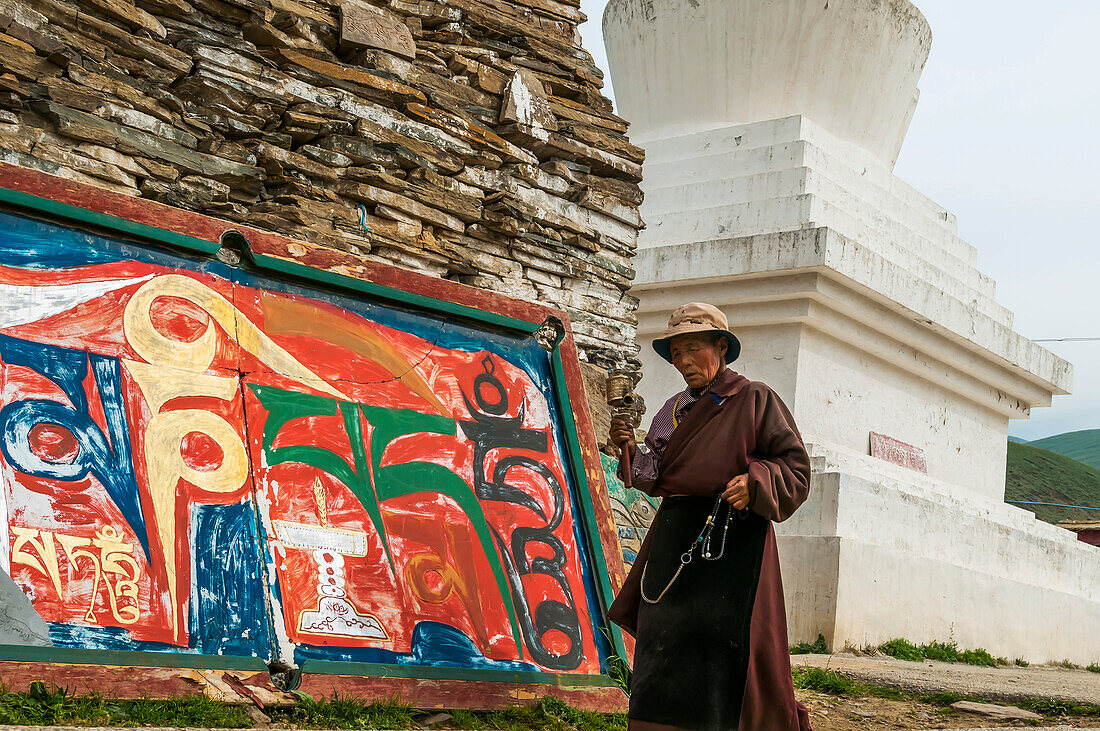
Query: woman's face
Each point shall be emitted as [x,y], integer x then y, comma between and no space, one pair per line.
[698,357]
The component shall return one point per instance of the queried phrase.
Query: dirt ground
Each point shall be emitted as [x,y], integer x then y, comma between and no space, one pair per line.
[1077,686]
[830,713]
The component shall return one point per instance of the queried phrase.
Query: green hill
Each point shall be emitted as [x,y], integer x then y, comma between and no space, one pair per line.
[1083,446]
[1040,475]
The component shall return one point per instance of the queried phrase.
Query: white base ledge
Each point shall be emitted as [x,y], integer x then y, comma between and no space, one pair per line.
[871,557]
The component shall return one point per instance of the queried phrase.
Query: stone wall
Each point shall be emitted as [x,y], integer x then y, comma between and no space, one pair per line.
[466,139]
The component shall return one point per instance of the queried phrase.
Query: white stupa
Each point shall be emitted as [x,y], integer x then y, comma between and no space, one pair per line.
[771,128]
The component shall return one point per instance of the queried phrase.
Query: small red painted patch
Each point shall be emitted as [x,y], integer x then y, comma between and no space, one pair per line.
[53,443]
[178,319]
[556,642]
[200,452]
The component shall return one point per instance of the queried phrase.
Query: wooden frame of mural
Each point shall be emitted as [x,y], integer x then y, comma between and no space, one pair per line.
[220,459]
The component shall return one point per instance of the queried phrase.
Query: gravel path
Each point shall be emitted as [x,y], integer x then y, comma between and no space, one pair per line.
[1006,683]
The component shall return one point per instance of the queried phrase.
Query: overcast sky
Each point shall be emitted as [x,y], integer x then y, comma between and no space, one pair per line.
[1005,136]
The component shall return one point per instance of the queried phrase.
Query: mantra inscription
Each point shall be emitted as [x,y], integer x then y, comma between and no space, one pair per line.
[189,449]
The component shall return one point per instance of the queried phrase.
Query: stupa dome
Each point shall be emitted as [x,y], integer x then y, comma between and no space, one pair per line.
[851,66]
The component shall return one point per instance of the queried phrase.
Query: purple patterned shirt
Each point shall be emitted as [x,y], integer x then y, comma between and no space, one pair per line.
[646,465]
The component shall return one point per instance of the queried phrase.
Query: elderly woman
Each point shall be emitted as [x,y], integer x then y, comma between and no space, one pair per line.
[705,599]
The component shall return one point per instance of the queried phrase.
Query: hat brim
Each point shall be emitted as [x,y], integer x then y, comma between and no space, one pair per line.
[663,344]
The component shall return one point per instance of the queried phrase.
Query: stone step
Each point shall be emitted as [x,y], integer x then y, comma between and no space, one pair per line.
[783,133]
[758,217]
[929,220]
[868,219]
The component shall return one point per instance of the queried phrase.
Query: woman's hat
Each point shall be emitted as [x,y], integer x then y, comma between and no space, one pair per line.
[697,317]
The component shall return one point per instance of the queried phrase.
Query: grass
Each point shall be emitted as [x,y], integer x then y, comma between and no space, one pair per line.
[943,699]
[619,672]
[346,713]
[1093,668]
[825,681]
[1083,446]
[1040,475]
[903,649]
[828,681]
[617,668]
[349,713]
[40,706]
[942,651]
[1054,708]
[979,657]
[818,647]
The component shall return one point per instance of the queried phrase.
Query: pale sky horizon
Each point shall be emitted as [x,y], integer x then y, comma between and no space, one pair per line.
[1004,138]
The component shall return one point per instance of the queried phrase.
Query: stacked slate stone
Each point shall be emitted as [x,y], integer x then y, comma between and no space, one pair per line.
[465,139]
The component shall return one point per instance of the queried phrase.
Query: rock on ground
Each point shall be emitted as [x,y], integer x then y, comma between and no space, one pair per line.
[995,711]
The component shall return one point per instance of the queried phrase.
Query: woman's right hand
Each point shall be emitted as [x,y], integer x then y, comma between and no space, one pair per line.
[622,435]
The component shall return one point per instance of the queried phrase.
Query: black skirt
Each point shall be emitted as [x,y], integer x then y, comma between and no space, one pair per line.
[692,652]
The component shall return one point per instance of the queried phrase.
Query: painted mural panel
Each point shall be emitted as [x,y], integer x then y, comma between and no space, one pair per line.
[631,508]
[197,458]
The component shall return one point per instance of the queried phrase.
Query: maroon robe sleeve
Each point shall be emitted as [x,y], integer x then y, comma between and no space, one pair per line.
[779,472]
[644,467]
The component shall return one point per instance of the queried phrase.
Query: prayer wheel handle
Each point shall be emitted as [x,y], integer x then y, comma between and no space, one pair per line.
[619,391]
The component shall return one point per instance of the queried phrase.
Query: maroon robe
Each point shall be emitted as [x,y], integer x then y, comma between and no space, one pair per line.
[747,429]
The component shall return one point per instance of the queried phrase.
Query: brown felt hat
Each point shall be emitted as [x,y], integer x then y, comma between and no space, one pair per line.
[697,317]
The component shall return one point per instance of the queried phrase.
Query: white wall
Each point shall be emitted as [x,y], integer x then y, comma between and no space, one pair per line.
[839,393]
[845,393]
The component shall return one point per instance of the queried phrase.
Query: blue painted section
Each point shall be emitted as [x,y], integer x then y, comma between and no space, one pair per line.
[228,612]
[31,244]
[433,643]
[83,636]
[106,456]
[441,645]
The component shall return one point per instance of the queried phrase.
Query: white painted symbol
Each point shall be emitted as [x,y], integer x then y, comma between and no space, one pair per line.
[334,615]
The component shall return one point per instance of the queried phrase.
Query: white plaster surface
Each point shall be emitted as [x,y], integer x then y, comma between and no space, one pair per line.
[880,551]
[699,189]
[1006,380]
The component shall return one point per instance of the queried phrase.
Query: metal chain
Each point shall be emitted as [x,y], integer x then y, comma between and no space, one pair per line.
[685,558]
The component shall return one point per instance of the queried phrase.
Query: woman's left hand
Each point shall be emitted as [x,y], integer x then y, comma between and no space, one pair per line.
[737,492]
